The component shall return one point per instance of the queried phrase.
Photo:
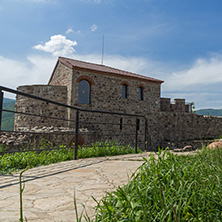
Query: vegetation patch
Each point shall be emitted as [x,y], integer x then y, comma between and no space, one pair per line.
[21,160]
[8,117]
[172,188]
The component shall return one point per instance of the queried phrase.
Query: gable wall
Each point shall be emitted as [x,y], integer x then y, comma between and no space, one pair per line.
[106,94]
[63,76]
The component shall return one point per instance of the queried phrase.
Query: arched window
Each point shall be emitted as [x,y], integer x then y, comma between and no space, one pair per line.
[84,92]
[124,91]
[140,93]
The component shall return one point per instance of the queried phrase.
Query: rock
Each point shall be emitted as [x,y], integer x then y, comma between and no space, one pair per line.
[187,148]
[214,145]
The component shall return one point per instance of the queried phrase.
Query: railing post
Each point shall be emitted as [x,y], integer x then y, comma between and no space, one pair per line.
[1,107]
[145,137]
[136,135]
[76,135]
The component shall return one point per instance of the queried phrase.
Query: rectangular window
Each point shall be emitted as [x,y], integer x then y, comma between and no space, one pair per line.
[124,91]
[121,124]
[140,93]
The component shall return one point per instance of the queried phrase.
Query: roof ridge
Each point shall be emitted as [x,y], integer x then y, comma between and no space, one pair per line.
[103,68]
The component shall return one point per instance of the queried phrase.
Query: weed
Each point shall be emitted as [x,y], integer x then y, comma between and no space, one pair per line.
[21,189]
[170,188]
[18,161]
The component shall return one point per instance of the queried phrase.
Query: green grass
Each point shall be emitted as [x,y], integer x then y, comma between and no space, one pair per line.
[18,161]
[173,188]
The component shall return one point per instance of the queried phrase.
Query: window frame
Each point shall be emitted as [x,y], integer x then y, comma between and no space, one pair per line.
[124,91]
[88,91]
[141,93]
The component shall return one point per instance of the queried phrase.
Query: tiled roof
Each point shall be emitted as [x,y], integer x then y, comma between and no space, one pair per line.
[72,63]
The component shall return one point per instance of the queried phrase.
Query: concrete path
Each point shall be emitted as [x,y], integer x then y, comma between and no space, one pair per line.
[49,190]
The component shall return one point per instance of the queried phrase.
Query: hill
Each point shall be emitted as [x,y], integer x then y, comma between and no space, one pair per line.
[8,118]
[210,112]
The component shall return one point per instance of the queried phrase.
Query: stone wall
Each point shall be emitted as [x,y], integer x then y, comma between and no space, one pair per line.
[180,129]
[28,105]
[178,106]
[167,123]
[106,93]
[63,76]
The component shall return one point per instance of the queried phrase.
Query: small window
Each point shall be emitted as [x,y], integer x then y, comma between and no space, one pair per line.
[121,124]
[84,92]
[124,91]
[140,93]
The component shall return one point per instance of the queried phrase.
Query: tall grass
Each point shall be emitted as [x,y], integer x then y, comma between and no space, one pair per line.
[19,161]
[172,188]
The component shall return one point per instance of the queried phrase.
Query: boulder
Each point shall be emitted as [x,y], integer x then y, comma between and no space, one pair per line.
[214,145]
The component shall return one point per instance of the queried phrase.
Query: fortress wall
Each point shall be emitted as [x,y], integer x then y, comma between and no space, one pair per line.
[180,129]
[28,105]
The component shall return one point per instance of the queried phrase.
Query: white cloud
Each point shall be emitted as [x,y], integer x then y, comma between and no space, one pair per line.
[92,1]
[34,70]
[69,31]
[137,65]
[205,71]
[93,28]
[58,45]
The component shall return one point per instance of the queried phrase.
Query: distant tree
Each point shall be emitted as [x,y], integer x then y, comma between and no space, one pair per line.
[192,107]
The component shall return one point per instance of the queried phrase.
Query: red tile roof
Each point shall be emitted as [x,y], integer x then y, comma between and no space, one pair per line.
[72,63]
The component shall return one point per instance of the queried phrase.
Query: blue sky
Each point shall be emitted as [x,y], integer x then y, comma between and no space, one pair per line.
[178,41]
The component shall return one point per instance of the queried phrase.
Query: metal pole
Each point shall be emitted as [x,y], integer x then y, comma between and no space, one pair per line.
[76,135]
[145,137]
[136,136]
[1,107]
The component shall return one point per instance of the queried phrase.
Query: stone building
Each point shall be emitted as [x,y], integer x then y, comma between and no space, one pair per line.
[99,87]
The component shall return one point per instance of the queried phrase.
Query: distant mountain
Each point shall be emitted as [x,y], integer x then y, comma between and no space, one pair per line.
[210,112]
[7,117]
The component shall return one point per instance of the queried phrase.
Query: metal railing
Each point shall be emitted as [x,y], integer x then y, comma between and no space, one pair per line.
[116,126]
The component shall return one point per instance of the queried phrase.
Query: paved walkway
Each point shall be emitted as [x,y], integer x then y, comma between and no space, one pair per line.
[49,190]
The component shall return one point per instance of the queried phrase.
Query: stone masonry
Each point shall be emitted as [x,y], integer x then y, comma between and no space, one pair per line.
[167,123]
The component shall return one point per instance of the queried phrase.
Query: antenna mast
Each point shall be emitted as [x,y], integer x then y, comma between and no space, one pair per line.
[102,49]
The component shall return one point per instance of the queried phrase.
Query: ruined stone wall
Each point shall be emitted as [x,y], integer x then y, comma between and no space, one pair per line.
[63,76]
[28,105]
[180,129]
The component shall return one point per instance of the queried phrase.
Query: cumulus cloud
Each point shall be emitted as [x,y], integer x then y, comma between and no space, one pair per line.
[58,45]
[33,70]
[200,83]
[204,71]
[93,28]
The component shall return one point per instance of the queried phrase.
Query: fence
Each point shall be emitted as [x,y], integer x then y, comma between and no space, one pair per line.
[59,124]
